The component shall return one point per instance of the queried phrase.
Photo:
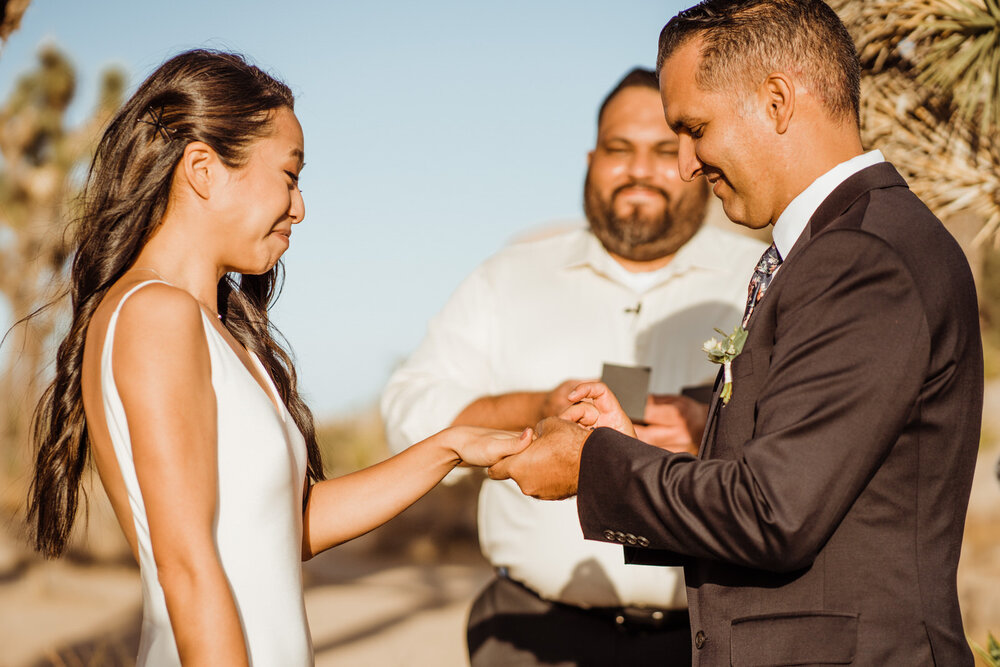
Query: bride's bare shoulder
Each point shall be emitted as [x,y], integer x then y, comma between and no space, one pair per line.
[155,308]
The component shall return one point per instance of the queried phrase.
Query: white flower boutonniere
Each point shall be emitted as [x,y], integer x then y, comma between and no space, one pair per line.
[723,352]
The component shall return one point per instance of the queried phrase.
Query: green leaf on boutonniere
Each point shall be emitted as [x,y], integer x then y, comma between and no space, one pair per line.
[723,352]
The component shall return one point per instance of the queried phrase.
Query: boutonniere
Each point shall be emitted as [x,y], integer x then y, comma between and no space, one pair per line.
[723,352]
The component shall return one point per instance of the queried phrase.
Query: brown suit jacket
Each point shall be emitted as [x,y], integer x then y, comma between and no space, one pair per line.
[822,522]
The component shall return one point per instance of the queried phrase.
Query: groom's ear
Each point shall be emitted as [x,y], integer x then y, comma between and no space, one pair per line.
[778,95]
[590,157]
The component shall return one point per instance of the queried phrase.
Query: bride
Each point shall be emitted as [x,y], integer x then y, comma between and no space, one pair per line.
[171,377]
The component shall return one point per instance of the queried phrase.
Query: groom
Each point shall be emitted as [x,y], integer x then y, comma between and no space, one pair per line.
[823,521]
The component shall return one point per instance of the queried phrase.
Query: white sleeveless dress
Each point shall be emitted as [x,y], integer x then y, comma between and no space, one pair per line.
[262,467]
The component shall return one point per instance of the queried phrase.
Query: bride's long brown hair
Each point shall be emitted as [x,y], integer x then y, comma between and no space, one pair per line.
[209,96]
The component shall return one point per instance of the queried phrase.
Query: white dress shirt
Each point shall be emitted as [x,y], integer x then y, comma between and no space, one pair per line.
[793,220]
[542,312]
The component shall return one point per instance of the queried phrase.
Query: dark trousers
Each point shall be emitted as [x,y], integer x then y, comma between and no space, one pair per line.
[510,626]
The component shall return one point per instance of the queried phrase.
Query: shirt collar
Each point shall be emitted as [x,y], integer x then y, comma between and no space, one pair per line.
[698,252]
[795,217]
[587,251]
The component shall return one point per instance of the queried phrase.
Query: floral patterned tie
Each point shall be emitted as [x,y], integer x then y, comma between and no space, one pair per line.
[762,275]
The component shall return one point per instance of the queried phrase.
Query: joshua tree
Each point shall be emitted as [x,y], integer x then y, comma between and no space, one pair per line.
[39,177]
[930,97]
[10,17]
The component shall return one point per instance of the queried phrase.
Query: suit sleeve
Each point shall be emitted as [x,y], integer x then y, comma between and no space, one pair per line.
[851,349]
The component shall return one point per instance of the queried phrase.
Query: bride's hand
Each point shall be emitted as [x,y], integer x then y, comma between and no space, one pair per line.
[483,447]
[595,406]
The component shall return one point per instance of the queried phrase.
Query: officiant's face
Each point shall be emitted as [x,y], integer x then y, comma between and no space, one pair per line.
[635,201]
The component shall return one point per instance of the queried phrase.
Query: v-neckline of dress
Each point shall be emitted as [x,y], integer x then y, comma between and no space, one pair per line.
[267,386]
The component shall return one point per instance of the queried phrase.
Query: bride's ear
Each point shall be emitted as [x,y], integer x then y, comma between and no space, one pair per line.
[201,168]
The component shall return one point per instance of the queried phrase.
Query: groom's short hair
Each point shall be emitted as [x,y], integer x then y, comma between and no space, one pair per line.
[637,78]
[745,40]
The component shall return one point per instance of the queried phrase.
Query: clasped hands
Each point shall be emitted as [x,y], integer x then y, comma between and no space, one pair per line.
[547,465]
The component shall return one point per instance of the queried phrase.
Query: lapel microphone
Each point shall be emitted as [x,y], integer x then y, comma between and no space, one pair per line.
[634,310]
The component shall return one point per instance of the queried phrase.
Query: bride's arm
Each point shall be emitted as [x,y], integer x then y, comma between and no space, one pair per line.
[163,374]
[341,509]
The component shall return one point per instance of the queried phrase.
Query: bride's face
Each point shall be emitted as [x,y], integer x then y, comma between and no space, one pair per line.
[261,199]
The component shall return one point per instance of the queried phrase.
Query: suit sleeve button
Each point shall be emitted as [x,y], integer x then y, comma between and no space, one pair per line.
[609,535]
[620,536]
[699,640]
[630,539]
[642,541]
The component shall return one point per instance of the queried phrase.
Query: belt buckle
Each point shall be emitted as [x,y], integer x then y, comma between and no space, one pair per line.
[644,618]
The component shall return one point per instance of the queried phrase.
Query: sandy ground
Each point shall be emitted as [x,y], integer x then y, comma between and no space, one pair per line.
[402,616]
[362,611]
[390,598]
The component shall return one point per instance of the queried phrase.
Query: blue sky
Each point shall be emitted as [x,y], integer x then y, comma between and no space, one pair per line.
[435,132]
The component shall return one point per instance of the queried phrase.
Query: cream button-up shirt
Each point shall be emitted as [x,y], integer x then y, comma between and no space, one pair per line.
[542,312]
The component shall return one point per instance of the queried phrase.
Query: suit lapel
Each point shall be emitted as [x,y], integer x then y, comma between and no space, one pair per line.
[881,175]
[708,437]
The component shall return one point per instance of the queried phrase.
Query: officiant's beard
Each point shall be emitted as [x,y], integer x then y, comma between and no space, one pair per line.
[643,236]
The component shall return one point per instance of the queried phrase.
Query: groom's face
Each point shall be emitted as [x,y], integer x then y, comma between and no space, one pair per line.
[724,136]
[635,201]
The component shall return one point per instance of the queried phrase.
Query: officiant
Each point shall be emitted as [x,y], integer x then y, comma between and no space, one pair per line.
[641,286]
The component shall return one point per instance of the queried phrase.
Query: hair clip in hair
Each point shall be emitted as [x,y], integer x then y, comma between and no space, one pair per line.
[156,120]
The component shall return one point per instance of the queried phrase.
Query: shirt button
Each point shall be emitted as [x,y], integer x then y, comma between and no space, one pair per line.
[699,640]
[620,620]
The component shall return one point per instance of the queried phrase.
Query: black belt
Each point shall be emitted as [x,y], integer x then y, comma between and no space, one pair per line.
[624,617]
[641,617]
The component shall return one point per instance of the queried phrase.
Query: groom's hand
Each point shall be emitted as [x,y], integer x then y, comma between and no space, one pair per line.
[596,406]
[549,468]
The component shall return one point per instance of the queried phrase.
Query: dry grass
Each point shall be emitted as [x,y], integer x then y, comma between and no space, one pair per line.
[979,576]
[991,358]
[979,567]
[352,443]
[441,525]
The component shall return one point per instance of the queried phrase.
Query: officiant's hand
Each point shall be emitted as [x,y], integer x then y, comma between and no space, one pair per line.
[595,407]
[482,447]
[674,423]
[549,468]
